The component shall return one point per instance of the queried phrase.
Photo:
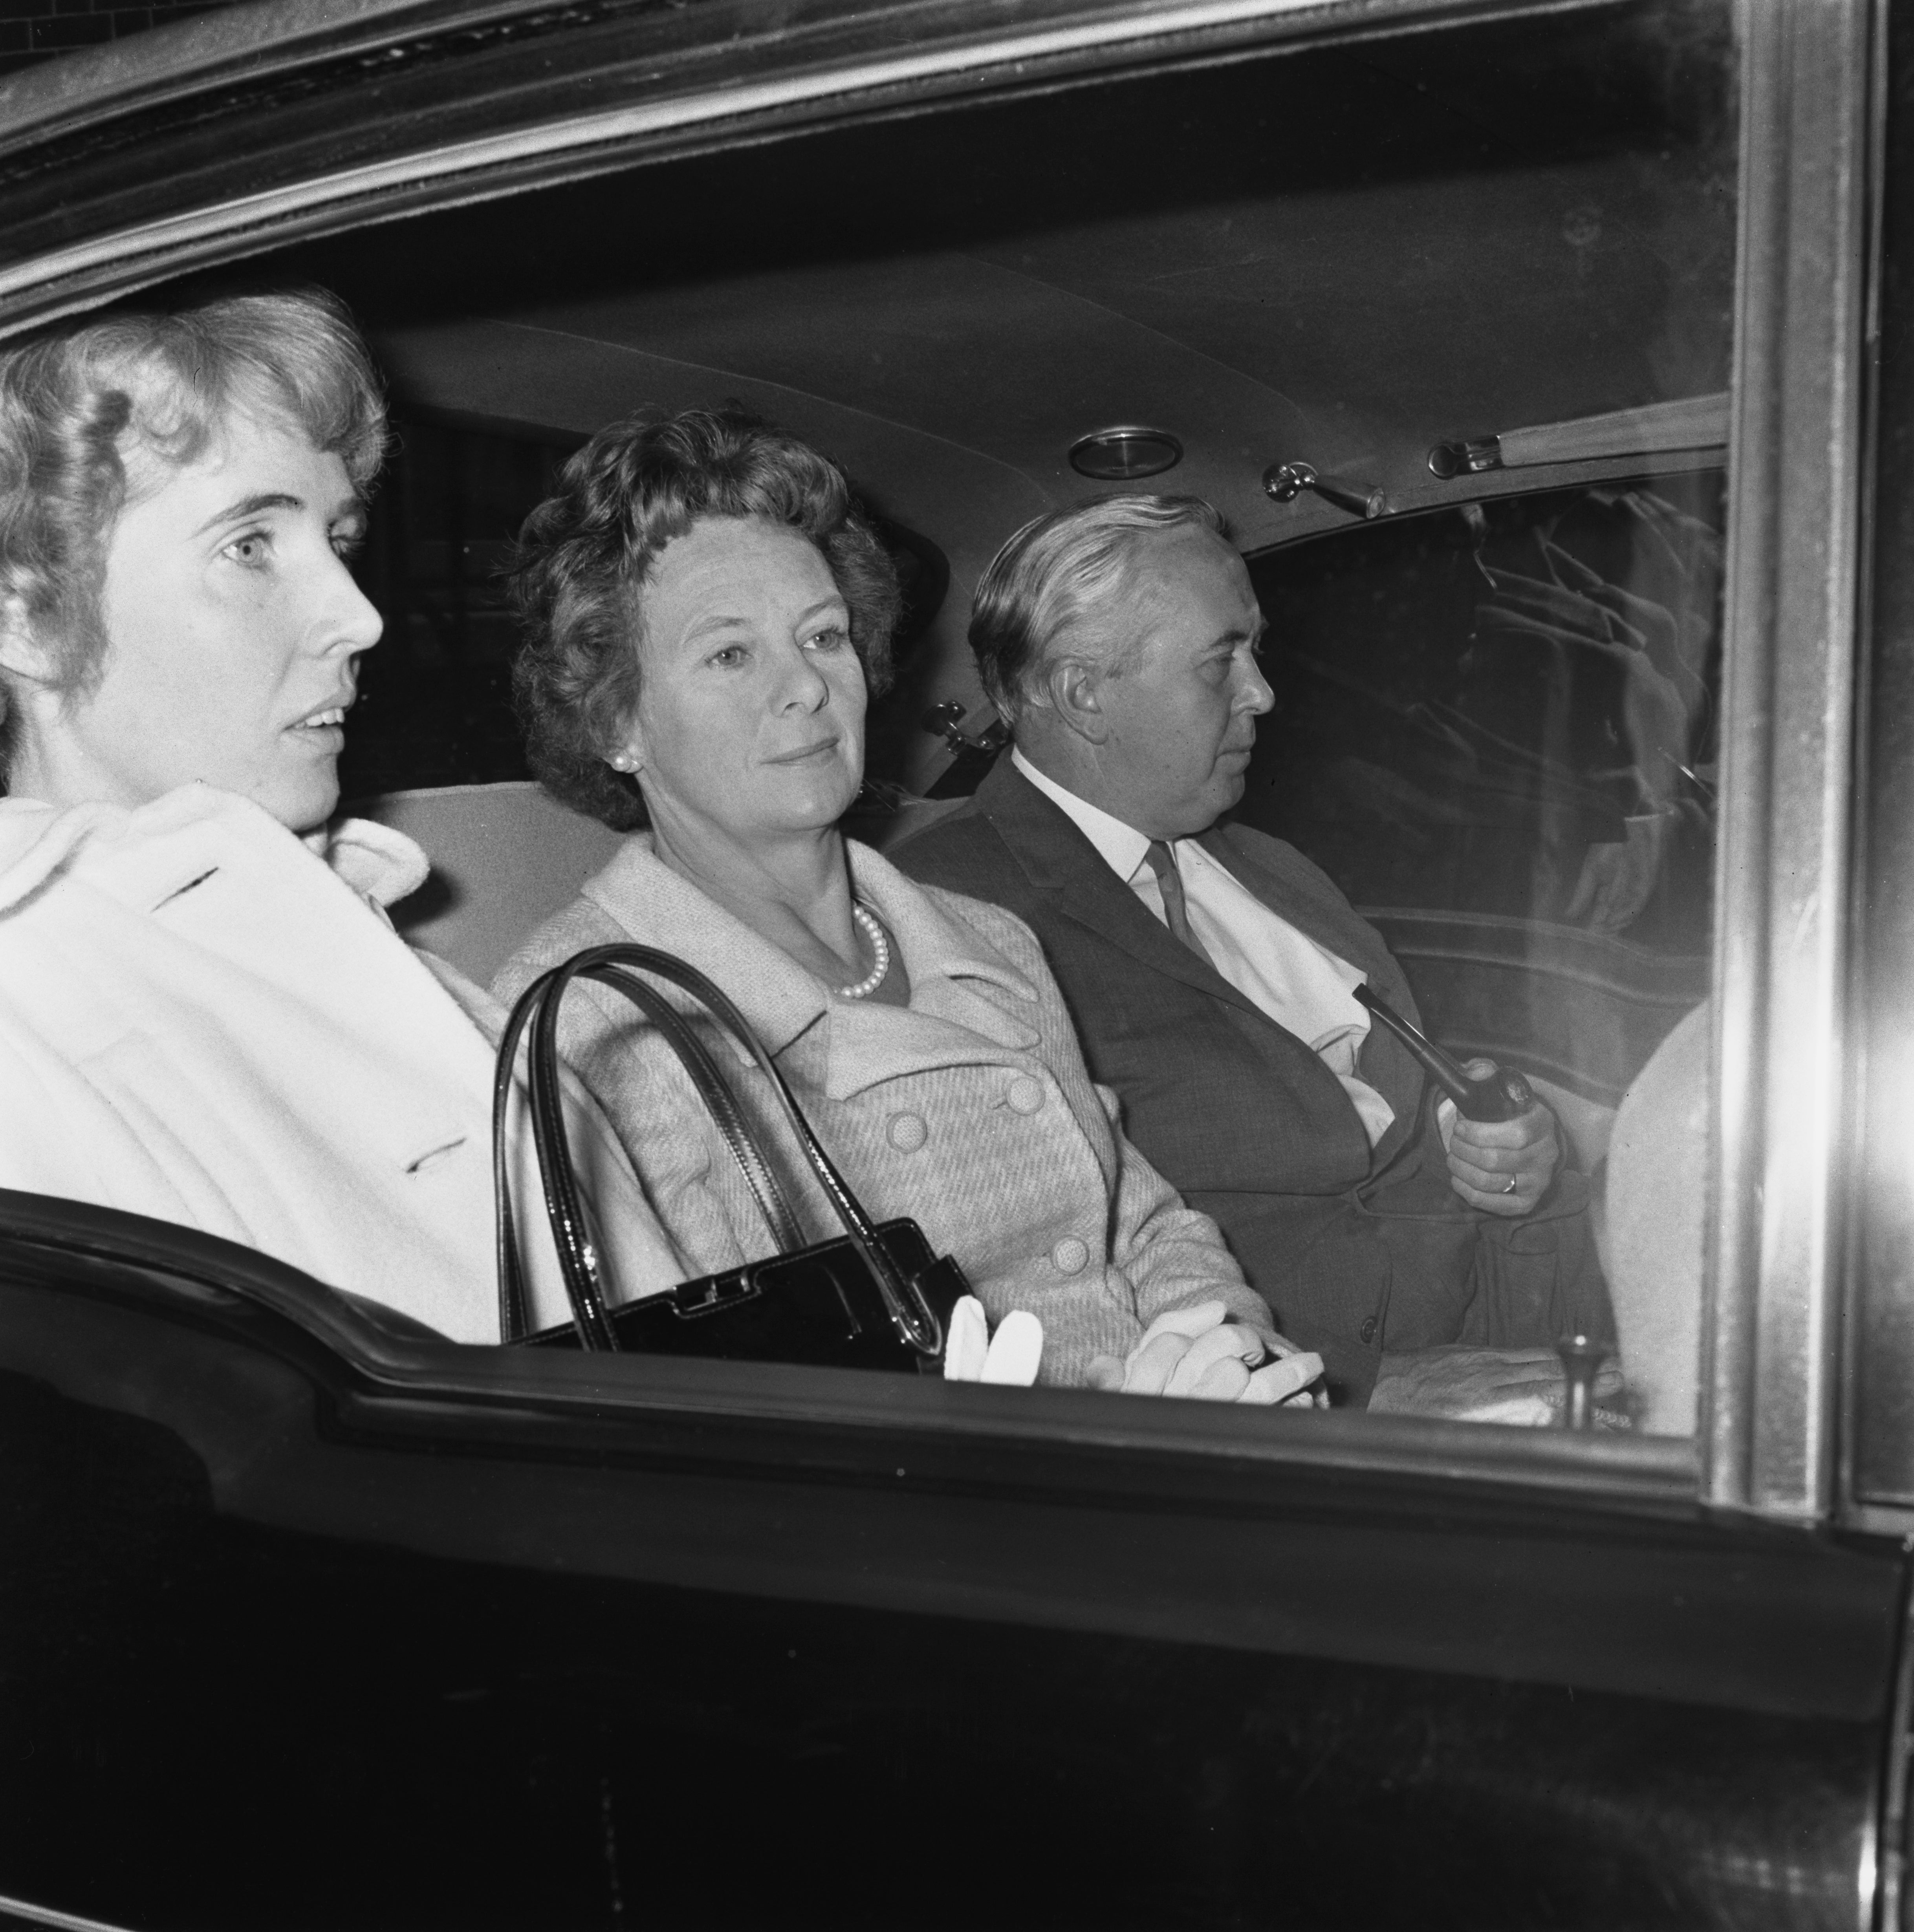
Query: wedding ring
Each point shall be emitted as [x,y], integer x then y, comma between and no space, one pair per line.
[1511,1188]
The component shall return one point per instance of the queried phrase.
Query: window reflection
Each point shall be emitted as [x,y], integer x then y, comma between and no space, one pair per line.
[1507,707]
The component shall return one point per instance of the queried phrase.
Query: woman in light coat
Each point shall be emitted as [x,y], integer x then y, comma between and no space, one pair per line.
[208,1017]
[706,614]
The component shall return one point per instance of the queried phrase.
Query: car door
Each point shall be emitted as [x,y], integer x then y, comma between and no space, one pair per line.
[312,1620]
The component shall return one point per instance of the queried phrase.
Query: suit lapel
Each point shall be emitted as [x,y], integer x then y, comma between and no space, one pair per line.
[1059,861]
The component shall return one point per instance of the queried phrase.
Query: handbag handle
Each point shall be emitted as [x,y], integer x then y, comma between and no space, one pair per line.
[613,966]
[710,1086]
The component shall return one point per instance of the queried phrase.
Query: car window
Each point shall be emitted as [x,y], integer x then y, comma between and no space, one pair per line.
[1495,709]
[1506,708]
[1495,726]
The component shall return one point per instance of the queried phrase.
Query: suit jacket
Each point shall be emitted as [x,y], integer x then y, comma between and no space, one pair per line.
[1357,1250]
[969,1109]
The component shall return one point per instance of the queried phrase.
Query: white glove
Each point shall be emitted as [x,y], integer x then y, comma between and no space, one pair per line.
[1010,1356]
[1193,1352]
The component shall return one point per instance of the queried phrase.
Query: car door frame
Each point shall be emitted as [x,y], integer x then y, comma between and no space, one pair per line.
[1773,1300]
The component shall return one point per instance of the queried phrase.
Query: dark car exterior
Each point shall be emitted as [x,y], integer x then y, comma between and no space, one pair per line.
[311,1622]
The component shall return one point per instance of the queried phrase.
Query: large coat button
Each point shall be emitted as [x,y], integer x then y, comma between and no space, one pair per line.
[1070,1255]
[1025,1094]
[907,1133]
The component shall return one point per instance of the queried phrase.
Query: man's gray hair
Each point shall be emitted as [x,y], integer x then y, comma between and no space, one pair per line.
[1043,582]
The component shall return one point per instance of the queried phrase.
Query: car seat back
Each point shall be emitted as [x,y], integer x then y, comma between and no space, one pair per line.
[505,858]
[1657,1192]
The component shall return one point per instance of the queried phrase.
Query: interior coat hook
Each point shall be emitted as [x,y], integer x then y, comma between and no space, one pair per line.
[1283,482]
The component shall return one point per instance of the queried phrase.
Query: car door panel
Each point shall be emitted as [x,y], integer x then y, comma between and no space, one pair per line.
[1173,1659]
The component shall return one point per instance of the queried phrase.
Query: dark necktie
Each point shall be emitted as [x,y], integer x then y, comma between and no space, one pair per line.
[1162,862]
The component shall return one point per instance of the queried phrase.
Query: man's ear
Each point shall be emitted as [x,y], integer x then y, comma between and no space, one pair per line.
[1073,688]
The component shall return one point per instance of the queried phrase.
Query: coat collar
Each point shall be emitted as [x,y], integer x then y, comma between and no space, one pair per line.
[969,1003]
[148,854]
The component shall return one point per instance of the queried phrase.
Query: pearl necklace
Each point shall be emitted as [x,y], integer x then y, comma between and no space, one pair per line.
[880,947]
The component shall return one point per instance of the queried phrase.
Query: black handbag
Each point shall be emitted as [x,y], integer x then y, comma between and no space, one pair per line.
[876,1298]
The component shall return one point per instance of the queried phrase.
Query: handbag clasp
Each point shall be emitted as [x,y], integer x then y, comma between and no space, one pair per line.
[715,1294]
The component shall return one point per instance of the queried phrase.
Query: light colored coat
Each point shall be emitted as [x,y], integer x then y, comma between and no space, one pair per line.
[206,1020]
[970,1110]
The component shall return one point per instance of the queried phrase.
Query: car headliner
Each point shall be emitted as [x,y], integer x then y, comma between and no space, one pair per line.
[1339,253]
[1320,256]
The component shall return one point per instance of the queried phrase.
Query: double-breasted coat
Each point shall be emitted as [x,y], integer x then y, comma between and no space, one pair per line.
[971,1109]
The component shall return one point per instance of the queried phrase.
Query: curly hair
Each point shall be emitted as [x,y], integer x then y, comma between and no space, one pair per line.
[586,552]
[78,405]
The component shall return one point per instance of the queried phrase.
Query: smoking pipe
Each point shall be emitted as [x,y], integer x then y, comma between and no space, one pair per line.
[1499,1096]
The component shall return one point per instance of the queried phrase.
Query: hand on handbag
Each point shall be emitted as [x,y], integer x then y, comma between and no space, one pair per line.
[1195,1352]
[1010,1357]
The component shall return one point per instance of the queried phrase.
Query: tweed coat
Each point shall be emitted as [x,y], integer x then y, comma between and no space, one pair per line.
[1357,1250]
[971,1109]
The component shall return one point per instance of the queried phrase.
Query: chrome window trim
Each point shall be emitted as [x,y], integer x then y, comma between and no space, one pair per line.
[1771,1335]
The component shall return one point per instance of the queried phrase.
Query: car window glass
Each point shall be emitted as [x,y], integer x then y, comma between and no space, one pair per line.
[1495,703]
[1494,727]
[1506,708]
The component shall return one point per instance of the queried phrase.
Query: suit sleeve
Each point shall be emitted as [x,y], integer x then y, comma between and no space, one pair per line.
[1171,1256]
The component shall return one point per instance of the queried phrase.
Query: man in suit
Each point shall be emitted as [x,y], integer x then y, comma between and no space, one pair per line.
[1432,1262]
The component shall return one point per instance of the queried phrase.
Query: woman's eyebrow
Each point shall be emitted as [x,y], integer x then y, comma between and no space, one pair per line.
[251,506]
[717,620]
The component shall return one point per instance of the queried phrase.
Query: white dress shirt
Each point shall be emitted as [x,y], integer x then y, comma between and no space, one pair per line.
[1303,987]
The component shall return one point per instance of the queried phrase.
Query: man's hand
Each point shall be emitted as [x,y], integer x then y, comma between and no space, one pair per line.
[1193,1352]
[1485,1156]
[1523,1386]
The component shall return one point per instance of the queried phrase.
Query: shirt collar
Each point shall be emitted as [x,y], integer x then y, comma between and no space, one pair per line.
[1120,847]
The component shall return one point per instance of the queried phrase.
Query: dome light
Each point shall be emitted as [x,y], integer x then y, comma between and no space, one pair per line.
[1122,455]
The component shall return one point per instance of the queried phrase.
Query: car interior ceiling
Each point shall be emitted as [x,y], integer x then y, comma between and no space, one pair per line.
[1341,253]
